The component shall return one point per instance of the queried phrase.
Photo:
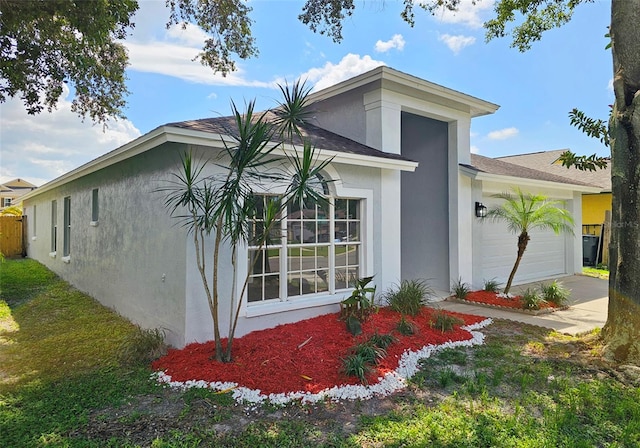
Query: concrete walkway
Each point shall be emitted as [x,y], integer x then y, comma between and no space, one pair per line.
[588,307]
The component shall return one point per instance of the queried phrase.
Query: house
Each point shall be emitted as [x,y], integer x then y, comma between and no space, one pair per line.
[594,205]
[12,191]
[403,192]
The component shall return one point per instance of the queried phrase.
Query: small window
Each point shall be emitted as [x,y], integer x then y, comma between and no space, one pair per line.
[6,202]
[35,222]
[66,249]
[54,226]
[95,209]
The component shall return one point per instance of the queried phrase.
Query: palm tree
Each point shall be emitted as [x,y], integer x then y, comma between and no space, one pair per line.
[523,212]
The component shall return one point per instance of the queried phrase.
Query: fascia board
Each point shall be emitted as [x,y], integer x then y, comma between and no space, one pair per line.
[138,146]
[403,83]
[499,178]
[166,134]
[207,139]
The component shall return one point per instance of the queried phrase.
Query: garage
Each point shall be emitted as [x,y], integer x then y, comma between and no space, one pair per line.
[545,256]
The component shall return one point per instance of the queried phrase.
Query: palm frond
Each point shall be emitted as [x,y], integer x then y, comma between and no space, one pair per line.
[293,111]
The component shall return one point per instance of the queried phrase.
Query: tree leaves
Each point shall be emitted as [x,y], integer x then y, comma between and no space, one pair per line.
[45,44]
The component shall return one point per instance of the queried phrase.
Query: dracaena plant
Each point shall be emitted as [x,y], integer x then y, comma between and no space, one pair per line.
[224,205]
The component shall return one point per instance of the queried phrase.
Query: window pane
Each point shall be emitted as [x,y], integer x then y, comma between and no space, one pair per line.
[294,262]
[354,231]
[294,232]
[272,286]
[354,209]
[341,231]
[307,281]
[354,275]
[353,253]
[322,281]
[342,278]
[293,284]
[323,231]
[309,232]
[256,258]
[340,209]
[322,257]
[309,210]
[272,264]
[254,289]
[94,205]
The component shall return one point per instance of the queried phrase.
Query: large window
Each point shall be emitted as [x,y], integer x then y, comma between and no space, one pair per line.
[315,249]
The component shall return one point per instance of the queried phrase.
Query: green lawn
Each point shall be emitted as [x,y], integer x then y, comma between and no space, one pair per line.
[65,383]
[595,272]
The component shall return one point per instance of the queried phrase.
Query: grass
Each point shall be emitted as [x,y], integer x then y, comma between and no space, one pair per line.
[525,387]
[409,296]
[595,272]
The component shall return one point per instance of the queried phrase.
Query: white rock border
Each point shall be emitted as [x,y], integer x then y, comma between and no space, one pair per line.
[386,385]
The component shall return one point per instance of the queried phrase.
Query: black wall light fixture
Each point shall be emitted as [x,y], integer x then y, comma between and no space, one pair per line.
[481,210]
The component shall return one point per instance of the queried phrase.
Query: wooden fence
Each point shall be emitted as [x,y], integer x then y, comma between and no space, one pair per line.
[11,235]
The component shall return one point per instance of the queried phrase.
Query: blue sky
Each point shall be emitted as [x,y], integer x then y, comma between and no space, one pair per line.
[535,90]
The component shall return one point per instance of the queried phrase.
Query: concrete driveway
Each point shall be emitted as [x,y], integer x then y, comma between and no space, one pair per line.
[587,310]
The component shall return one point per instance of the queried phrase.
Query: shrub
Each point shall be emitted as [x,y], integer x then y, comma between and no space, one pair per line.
[359,305]
[143,347]
[369,352]
[492,285]
[409,296]
[406,327]
[555,293]
[460,289]
[382,340]
[444,321]
[532,300]
[356,365]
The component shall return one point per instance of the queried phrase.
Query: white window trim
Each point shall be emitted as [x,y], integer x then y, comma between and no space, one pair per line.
[338,191]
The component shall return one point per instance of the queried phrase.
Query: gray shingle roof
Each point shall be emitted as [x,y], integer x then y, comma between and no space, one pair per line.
[318,137]
[544,161]
[499,167]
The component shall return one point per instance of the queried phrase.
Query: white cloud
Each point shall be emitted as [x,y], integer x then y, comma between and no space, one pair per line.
[475,149]
[397,41]
[41,147]
[192,35]
[172,51]
[503,134]
[468,14]
[351,65]
[176,60]
[457,43]
[610,85]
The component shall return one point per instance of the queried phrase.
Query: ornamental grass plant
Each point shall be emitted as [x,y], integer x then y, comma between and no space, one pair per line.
[409,296]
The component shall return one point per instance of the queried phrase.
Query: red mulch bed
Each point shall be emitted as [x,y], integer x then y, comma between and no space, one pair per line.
[490,298]
[272,361]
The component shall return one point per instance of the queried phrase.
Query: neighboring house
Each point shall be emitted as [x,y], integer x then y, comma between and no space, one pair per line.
[12,191]
[594,205]
[403,191]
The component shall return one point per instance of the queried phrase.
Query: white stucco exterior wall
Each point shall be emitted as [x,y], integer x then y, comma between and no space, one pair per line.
[133,258]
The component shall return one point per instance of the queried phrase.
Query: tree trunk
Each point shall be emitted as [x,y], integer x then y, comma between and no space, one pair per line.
[622,330]
[523,240]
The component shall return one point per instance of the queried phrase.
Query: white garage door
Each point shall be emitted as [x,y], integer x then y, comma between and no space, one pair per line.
[545,255]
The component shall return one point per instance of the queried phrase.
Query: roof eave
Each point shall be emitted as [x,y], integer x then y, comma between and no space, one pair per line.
[524,181]
[164,134]
[477,106]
